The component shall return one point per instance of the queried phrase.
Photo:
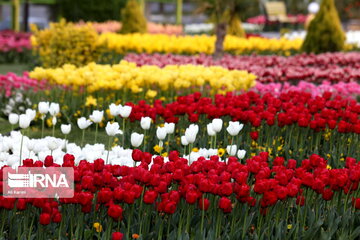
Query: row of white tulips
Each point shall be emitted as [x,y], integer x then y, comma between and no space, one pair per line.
[39,149]
[113,128]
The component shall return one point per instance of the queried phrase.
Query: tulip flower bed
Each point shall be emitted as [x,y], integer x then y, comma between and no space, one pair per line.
[298,123]
[11,83]
[129,78]
[14,47]
[152,28]
[208,198]
[333,67]
[159,43]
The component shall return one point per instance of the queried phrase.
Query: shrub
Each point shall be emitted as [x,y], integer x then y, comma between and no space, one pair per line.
[133,19]
[235,28]
[65,43]
[325,33]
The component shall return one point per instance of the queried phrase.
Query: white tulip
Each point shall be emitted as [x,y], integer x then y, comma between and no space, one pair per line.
[191,132]
[54,109]
[24,121]
[125,111]
[136,139]
[210,130]
[13,118]
[52,144]
[83,123]
[96,116]
[145,123]
[234,128]
[30,145]
[194,128]
[54,120]
[112,129]
[30,113]
[43,107]
[241,154]
[161,133]
[217,124]
[184,141]
[114,109]
[65,129]
[170,128]
[231,150]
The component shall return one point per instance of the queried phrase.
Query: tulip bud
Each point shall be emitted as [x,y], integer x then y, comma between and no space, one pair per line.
[145,123]
[54,109]
[13,118]
[43,107]
[241,154]
[65,129]
[184,141]
[96,116]
[114,109]
[24,121]
[125,111]
[231,150]
[190,135]
[170,128]
[136,139]
[54,120]
[30,113]
[210,130]
[217,124]
[161,133]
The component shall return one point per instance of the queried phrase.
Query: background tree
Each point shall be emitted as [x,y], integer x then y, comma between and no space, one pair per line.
[133,19]
[325,33]
[223,13]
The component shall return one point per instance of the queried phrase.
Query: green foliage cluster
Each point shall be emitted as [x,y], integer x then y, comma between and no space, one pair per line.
[133,19]
[325,33]
[64,43]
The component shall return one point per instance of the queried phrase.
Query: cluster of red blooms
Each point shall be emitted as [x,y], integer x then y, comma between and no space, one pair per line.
[289,108]
[333,67]
[196,184]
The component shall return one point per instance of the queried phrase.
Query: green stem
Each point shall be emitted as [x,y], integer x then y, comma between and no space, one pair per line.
[82,138]
[123,138]
[144,141]
[96,132]
[202,216]
[129,222]
[109,148]
[42,127]
[21,146]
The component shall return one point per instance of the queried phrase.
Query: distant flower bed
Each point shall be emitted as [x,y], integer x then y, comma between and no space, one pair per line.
[261,19]
[333,67]
[153,28]
[14,46]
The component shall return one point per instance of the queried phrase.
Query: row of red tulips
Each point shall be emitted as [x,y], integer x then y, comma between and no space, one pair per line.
[206,199]
[334,67]
[298,108]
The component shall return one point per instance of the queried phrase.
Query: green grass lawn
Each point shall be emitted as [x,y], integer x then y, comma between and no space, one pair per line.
[16,68]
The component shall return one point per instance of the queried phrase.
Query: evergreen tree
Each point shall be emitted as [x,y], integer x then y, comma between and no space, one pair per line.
[133,19]
[325,33]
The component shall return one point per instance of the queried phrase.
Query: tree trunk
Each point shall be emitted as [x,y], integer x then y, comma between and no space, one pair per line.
[179,6]
[220,37]
[15,15]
